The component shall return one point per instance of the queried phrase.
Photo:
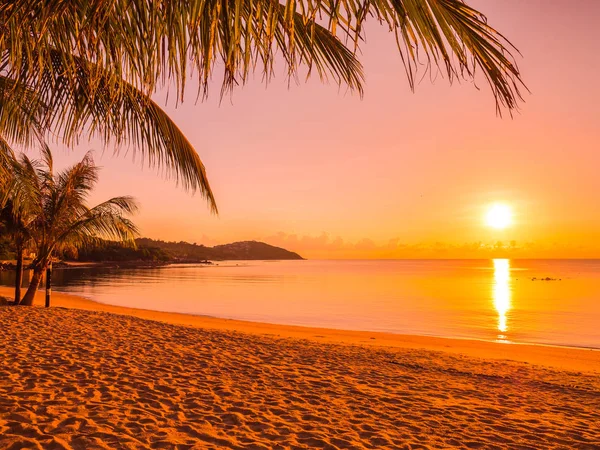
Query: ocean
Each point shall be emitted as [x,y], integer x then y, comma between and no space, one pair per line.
[554,302]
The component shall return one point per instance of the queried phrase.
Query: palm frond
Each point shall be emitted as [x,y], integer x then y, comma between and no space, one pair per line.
[77,66]
[456,39]
[21,113]
[104,221]
[117,205]
[146,42]
[7,160]
[94,101]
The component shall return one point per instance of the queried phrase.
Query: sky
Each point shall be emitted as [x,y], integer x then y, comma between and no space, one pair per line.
[318,170]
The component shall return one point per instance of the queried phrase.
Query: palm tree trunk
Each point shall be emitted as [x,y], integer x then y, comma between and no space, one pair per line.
[48,284]
[19,275]
[29,296]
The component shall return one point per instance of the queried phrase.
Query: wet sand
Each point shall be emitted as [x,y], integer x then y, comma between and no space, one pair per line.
[96,376]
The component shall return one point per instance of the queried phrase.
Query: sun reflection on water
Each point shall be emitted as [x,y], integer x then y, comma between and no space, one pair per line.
[502,295]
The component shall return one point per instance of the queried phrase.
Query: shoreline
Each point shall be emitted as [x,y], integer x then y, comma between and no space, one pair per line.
[565,358]
[66,265]
[87,375]
[260,323]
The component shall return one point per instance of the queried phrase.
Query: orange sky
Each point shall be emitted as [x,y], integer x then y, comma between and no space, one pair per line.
[320,171]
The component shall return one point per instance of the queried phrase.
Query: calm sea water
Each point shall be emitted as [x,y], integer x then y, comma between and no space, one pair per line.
[482,299]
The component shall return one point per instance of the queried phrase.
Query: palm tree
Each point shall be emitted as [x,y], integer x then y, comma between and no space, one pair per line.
[15,227]
[89,67]
[15,210]
[61,219]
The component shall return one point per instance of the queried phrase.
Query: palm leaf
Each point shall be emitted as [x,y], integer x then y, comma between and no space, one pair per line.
[104,221]
[91,65]
[96,102]
[21,113]
[147,42]
[7,159]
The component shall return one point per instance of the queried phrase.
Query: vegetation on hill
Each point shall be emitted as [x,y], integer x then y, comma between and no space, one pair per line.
[158,251]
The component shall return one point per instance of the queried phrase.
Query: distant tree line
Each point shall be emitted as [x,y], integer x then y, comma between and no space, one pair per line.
[116,251]
[44,215]
[150,250]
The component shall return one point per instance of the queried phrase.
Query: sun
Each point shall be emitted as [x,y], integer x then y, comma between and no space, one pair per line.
[499,216]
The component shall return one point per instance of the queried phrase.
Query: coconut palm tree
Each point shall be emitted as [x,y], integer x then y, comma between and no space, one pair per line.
[89,67]
[14,225]
[61,218]
[15,210]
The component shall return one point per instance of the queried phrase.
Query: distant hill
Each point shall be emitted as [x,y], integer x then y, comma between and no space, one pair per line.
[160,251]
[251,250]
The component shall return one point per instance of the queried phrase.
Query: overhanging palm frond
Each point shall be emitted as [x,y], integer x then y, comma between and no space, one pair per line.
[313,45]
[94,100]
[21,113]
[93,64]
[7,159]
[244,35]
[148,41]
[456,38]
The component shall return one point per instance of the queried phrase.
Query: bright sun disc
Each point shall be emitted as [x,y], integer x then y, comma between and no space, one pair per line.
[498,216]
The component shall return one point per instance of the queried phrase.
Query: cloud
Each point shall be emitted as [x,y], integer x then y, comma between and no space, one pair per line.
[326,246]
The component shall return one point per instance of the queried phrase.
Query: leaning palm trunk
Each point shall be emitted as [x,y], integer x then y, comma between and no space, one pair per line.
[48,284]
[19,274]
[34,284]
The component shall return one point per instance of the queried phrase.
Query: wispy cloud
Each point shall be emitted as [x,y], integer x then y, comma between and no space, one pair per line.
[327,246]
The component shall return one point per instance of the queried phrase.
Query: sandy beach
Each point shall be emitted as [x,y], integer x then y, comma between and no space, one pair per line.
[84,375]
[299,225]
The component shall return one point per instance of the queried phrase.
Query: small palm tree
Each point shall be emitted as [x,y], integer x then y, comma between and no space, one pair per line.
[16,209]
[61,218]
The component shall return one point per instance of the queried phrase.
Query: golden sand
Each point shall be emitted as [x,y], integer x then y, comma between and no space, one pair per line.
[109,378]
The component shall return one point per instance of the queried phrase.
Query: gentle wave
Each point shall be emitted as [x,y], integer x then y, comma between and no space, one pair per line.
[552,302]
